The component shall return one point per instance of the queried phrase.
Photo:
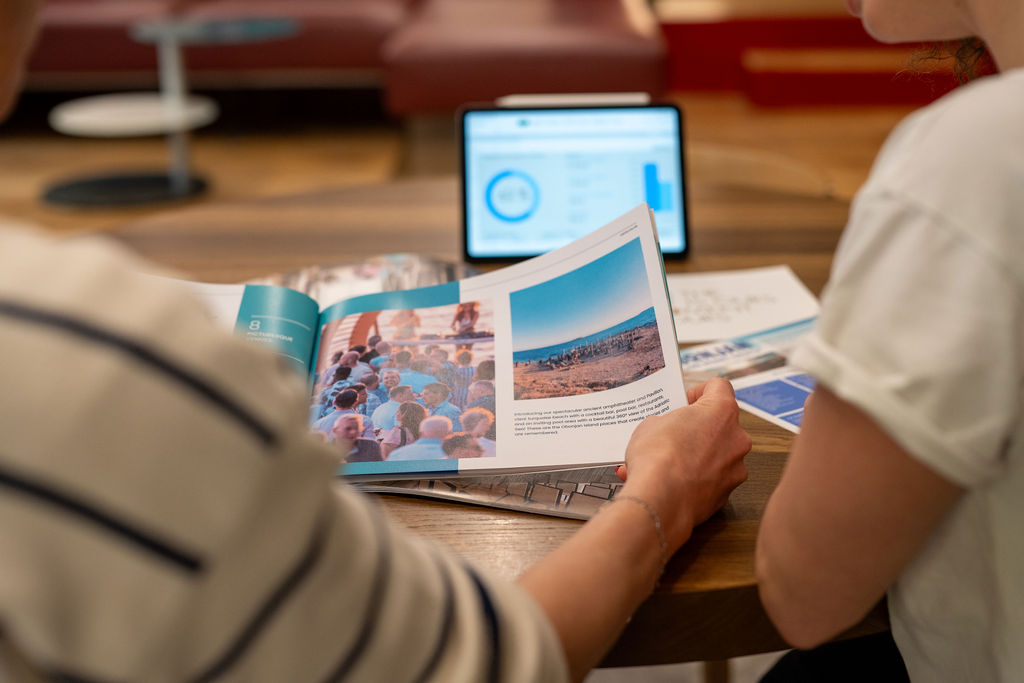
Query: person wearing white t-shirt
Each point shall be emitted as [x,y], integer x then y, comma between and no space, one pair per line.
[907,478]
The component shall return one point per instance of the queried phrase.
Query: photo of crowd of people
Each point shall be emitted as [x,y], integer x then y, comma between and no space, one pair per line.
[589,330]
[408,384]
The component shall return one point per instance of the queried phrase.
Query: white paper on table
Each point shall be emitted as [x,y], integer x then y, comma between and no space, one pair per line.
[733,303]
[222,301]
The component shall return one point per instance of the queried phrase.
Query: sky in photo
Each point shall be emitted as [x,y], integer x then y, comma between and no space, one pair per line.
[589,299]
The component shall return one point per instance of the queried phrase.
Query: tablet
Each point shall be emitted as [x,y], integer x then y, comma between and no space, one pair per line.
[536,178]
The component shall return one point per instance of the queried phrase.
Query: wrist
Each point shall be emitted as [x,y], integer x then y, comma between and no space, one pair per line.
[659,530]
[673,511]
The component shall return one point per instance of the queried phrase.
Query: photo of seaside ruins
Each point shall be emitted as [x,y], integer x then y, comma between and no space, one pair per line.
[589,330]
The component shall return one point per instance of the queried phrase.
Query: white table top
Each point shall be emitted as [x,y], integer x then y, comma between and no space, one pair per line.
[131,114]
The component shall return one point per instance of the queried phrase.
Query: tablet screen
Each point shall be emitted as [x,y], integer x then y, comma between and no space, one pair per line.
[534,180]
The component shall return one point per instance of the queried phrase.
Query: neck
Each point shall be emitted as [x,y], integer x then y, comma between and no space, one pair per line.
[1001,25]
[1010,57]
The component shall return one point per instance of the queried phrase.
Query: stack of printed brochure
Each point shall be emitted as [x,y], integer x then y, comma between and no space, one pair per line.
[755,317]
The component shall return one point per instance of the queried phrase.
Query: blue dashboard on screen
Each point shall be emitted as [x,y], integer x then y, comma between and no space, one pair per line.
[534,180]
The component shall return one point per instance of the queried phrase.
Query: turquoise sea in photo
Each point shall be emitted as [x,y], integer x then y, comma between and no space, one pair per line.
[645,317]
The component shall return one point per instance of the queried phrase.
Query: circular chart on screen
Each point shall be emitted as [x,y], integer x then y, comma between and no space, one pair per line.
[512,196]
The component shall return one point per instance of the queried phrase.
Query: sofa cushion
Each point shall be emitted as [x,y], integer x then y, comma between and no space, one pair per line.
[457,51]
[332,34]
[92,36]
[86,35]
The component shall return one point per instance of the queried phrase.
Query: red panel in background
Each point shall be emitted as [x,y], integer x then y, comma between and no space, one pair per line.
[709,56]
[784,89]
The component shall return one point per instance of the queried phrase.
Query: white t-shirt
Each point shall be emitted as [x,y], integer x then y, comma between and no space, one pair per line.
[922,327]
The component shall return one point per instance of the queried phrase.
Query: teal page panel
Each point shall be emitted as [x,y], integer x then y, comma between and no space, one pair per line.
[281,318]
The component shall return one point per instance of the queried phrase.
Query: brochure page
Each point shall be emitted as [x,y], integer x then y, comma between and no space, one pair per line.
[776,395]
[278,317]
[733,303]
[575,346]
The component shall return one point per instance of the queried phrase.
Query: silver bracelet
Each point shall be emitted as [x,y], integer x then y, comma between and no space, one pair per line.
[662,543]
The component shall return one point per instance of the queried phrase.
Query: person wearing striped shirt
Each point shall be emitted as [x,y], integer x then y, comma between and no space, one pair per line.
[176,521]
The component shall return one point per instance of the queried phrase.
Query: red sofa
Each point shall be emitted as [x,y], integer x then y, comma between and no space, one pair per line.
[428,55]
[85,44]
[454,51]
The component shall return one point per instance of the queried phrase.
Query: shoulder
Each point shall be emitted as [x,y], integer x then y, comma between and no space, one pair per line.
[404,452]
[393,436]
[158,389]
[326,421]
[368,447]
[955,165]
[89,298]
[979,122]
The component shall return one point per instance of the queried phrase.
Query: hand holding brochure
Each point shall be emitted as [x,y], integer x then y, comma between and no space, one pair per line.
[556,358]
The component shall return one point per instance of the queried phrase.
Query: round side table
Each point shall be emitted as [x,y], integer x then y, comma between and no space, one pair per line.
[130,115]
[172,112]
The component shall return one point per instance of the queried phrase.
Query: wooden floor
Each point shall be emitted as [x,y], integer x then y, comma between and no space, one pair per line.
[279,143]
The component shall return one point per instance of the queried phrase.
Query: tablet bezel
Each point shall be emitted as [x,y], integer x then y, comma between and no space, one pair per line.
[509,258]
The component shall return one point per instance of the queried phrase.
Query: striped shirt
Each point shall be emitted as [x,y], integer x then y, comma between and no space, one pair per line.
[169,517]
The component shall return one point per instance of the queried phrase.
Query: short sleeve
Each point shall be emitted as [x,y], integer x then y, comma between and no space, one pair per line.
[921,328]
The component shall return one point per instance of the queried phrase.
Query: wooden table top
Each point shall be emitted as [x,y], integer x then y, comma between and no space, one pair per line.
[706,607]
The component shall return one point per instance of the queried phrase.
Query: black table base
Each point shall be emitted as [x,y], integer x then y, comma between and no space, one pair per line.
[126,189]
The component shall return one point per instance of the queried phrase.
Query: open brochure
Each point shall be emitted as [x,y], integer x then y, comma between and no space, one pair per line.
[755,362]
[557,358]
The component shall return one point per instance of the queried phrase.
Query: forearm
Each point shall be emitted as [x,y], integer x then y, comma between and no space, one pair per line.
[681,468]
[807,602]
[851,511]
[592,584]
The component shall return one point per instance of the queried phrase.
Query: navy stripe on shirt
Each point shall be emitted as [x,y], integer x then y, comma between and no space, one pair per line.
[91,513]
[491,615]
[145,355]
[447,619]
[373,605]
[302,569]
